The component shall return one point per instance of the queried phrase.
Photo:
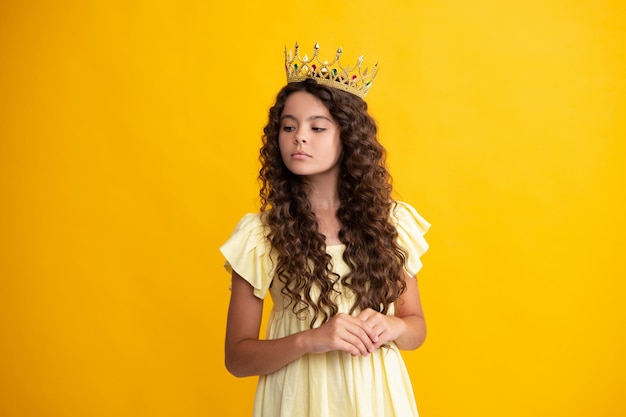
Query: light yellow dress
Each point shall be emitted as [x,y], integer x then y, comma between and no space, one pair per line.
[332,384]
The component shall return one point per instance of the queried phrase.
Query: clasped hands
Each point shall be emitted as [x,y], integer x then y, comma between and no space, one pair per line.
[358,336]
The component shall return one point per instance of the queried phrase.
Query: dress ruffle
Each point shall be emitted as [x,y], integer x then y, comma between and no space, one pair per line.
[411,228]
[247,252]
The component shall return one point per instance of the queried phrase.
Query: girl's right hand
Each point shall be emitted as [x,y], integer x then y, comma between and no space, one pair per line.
[345,333]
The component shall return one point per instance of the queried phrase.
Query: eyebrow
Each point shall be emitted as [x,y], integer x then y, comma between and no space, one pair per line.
[289,116]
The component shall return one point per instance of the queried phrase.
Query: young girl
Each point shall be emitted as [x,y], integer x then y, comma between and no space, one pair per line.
[336,253]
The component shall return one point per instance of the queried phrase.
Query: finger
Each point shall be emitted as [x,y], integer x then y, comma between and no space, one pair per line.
[367,314]
[345,346]
[359,346]
[356,332]
[363,335]
[375,322]
[356,325]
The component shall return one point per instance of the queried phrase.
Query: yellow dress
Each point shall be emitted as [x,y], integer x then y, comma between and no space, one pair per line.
[332,384]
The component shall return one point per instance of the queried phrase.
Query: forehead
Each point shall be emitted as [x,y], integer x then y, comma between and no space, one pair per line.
[303,103]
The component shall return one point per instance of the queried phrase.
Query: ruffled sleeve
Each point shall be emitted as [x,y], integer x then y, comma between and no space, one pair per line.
[247,252]
[411,229]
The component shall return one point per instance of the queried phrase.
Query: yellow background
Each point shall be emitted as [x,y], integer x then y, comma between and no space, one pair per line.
[129,135]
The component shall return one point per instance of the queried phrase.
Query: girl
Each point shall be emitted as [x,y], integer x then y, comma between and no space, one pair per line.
[336,253]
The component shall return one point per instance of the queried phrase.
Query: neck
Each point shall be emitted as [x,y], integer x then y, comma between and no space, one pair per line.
[323,193]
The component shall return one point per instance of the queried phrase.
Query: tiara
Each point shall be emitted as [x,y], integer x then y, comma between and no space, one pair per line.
[354,80]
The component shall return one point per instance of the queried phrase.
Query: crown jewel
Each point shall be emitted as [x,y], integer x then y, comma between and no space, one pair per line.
[355,80]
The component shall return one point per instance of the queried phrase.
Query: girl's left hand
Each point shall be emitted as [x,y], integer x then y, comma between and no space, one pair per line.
[387,328]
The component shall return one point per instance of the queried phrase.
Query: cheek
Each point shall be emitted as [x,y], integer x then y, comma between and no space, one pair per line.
[283,139]
[282,146]
[339,150]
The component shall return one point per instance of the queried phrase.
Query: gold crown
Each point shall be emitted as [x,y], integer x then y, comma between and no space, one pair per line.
[351,79]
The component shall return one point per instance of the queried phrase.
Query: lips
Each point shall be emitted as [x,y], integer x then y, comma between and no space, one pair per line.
[300,155]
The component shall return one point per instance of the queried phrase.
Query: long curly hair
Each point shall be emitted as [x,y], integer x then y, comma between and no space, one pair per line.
[371,250]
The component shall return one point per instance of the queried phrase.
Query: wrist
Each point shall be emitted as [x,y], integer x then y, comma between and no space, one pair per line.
[302,342]
[401,327]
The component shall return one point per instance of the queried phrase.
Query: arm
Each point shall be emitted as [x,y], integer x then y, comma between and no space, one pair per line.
[246,354]
[408,327]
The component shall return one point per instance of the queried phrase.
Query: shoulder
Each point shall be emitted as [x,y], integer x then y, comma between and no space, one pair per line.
[249,222]
[249,232]
[404,214]
[247,251]
[411,227]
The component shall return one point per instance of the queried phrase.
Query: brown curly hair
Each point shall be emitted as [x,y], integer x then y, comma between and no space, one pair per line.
[371,250]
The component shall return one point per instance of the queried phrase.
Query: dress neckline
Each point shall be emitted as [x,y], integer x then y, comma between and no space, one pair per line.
[338,245]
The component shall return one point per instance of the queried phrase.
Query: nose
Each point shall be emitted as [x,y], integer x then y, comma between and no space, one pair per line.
[299,137]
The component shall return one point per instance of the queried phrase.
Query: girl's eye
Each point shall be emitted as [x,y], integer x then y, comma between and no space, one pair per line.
[318,129]
[288,128]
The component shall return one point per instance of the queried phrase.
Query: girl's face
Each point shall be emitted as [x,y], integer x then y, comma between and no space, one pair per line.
[309,137]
